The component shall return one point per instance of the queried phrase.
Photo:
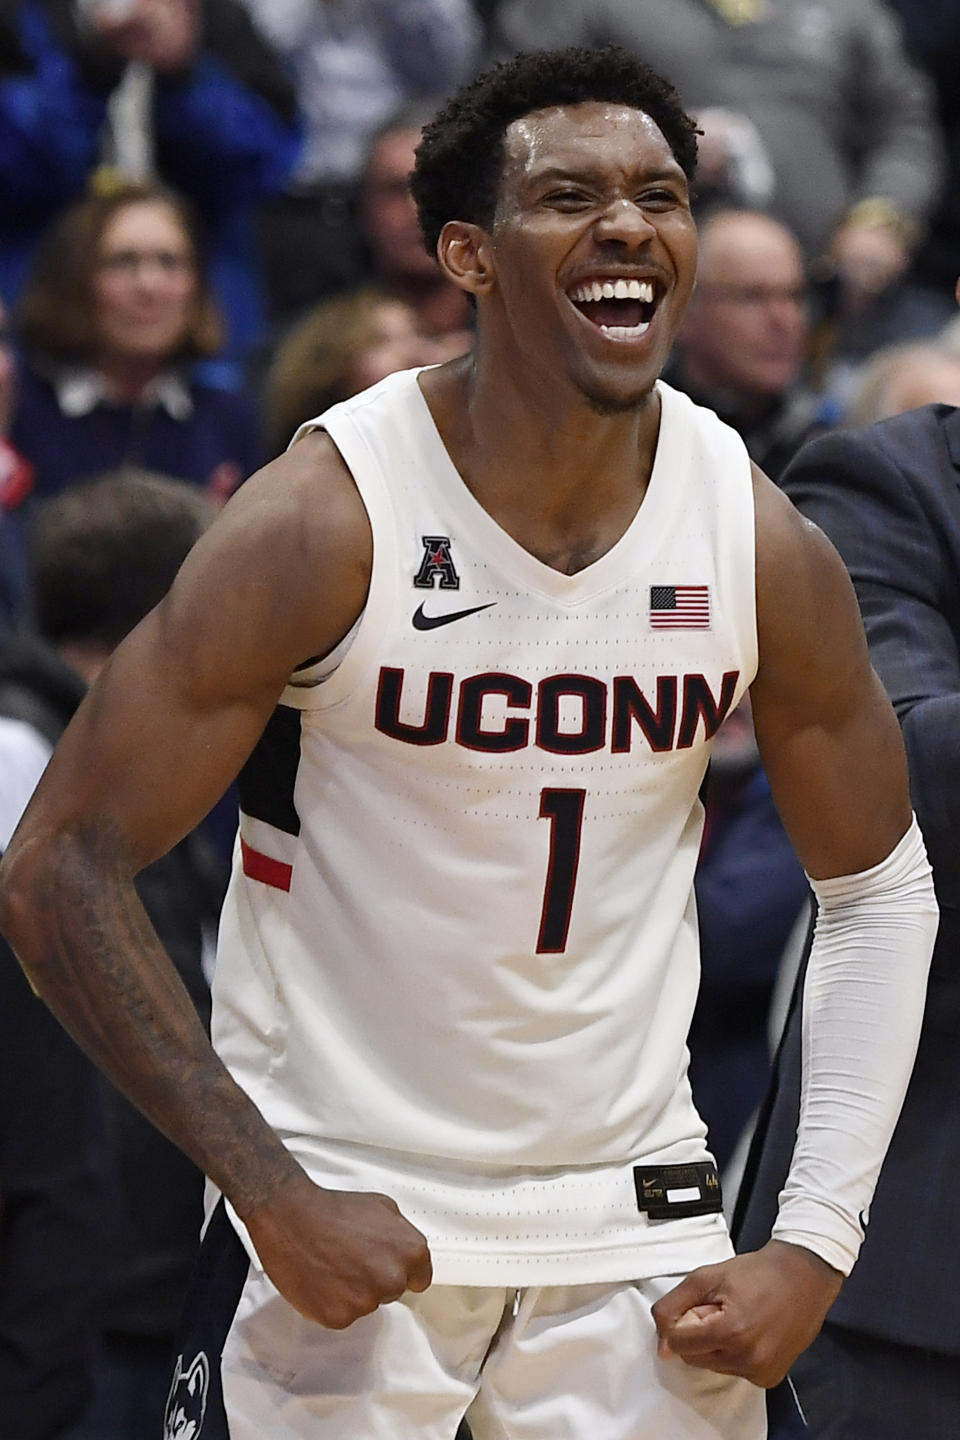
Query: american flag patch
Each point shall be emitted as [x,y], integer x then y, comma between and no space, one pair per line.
[680,607]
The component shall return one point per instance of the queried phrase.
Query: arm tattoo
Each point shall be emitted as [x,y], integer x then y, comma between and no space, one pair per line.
[91,952]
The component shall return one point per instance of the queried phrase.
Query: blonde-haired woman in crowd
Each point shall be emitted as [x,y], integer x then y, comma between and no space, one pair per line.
[337,349]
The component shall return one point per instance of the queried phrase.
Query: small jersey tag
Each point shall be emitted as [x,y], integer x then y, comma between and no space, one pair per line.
[670,1192]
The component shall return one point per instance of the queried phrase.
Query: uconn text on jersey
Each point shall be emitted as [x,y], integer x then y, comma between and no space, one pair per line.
[566,714]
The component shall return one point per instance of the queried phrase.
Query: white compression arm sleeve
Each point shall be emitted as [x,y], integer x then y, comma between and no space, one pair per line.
[862,1007]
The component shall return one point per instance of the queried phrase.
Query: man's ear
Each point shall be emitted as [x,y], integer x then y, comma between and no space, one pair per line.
[463,251]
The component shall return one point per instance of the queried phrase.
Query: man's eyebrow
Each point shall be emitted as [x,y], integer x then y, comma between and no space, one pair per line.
[555,173]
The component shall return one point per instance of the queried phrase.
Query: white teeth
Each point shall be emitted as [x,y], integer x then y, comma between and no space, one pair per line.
[626,332]
[613,290]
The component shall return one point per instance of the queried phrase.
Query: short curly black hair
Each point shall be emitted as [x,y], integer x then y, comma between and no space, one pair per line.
[460,157]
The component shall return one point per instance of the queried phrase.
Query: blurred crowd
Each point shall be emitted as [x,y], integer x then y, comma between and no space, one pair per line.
[207,238]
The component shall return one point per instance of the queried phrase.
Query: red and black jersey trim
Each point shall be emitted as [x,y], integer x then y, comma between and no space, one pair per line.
[267,781]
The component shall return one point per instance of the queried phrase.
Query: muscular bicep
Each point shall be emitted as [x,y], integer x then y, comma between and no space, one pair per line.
[147,753]
[829,738]
[181,703]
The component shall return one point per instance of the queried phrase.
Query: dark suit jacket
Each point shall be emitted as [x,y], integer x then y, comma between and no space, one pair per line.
[889,498]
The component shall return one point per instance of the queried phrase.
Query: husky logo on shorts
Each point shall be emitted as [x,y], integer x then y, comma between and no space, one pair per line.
[187,1401]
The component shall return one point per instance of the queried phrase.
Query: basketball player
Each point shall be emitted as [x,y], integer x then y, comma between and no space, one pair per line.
[468,643]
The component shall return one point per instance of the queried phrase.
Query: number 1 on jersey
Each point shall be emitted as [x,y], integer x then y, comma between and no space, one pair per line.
[564,810]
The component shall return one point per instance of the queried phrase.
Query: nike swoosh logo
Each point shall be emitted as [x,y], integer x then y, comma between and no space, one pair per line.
[430,622]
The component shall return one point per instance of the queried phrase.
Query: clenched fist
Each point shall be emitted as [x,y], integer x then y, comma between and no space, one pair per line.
[750,1316]
[336,1255]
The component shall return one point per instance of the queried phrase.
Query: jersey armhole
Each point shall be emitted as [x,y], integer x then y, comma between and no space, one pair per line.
[319,683]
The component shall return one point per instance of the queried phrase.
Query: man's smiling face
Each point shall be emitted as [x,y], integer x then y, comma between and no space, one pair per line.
[594,249]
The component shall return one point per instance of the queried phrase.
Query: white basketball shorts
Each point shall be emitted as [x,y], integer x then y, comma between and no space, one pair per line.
[548,1363]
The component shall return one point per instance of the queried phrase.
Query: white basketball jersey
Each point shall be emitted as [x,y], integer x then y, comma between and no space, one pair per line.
[459,958]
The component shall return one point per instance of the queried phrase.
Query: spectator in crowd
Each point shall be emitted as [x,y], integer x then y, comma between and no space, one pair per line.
[117,309]
[53,1167]
[932,32]
[398,260]
[16,482]
[183,89]
[338,349]
[886,1361]
[904,377]
[826,92]
[751,890]
[99,1224]
[742,345]
[355,66]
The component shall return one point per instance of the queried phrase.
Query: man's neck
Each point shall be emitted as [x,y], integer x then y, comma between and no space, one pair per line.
[564,481]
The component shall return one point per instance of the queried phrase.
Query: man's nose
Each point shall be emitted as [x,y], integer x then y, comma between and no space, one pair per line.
[625,222]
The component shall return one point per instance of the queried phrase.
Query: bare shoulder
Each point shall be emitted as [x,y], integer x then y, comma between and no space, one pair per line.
[279,577]
[283,572]
[299,508]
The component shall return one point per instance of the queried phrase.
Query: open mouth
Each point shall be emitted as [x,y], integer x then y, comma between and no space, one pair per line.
[621,308]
